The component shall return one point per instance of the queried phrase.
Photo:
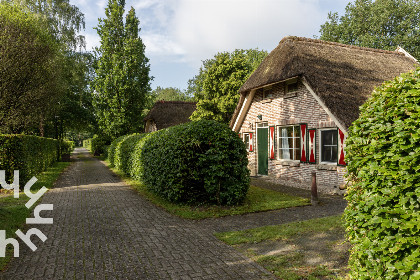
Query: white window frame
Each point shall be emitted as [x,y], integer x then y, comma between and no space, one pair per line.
[278,128]
[320,145]
[243,139]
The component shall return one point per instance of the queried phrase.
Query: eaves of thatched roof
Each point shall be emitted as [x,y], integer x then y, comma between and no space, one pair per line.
[341,76]
[170,113]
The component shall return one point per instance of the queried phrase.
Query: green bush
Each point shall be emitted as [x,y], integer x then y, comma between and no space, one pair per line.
[196,162]
[66,147]
[112,149]
[383,154]
[87,143]
[98,144]
[28,154]
[123,158]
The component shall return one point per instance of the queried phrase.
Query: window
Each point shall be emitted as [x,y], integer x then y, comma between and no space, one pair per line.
[246,141]
[267,93]
[329,145]
[289,142]
[291,86]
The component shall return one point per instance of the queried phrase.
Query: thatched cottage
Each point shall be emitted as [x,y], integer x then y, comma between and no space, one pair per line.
[168,113]
[295,109]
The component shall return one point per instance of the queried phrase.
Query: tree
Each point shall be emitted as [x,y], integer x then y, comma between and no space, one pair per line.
[63,19]
[381,24]
[217,84]
[122,78]
[30,74]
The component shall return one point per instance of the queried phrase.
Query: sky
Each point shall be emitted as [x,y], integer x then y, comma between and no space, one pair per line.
[180,34]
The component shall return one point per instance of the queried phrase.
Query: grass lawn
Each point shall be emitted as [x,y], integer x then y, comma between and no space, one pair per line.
[257,200]
[312,249]
[13,212]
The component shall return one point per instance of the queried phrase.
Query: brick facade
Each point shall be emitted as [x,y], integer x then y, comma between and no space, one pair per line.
[284,109]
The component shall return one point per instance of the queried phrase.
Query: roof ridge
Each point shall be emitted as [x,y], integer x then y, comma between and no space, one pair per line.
[176,102]
[323,42]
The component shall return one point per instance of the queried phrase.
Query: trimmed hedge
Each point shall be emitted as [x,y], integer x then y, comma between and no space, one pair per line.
[123,159]
[97,144]
[197,162]
[383,154]
[87,143]
[28,154]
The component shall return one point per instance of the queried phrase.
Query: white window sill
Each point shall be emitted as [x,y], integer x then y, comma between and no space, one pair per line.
[288,162]
[327,166]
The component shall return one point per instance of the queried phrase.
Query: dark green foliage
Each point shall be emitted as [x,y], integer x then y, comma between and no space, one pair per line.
[122,80]
[66,147]
[202,161]
[197,162]
[383,152]
[384,24]
[98,143]
[112,149]
[123,157]
[216,87]
[28,154]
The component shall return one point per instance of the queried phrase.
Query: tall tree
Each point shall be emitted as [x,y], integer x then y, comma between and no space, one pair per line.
[30,74]
[382,24]
[64,20]
[122,72]
[217,84]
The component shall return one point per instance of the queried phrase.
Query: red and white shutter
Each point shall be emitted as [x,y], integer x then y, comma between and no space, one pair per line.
[341,154]
[272,141]
[311,145]
[251,147]
[303,142]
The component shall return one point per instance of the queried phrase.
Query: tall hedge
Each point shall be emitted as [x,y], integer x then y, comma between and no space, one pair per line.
[383,154]
[124,156]
[28,154]
[202,161]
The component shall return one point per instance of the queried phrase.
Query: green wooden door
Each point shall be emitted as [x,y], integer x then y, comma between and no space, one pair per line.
[262,142]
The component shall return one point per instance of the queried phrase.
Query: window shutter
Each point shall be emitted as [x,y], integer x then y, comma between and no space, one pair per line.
[272,140]
[340,142]
[251,148]
[311,145]
[303,147]
[240,135]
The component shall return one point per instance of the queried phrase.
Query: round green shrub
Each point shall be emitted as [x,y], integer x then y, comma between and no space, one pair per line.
[196,162]
[383,154]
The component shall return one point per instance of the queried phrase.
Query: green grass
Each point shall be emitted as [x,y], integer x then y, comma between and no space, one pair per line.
[13,212]
[257,200]
[282,232]
[288,265]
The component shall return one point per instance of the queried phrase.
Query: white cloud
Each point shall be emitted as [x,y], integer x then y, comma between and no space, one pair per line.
[205,27]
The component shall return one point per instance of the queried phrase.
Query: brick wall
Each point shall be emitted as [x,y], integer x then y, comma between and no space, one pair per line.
[292,109]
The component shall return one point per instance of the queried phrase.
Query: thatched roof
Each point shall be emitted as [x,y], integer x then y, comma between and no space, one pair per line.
[342,76]
[170,113]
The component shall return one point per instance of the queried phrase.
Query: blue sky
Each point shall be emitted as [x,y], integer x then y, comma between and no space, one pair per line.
[180,34]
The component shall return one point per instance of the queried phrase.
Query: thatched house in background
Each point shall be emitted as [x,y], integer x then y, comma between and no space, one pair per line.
[168,113]
[295,109]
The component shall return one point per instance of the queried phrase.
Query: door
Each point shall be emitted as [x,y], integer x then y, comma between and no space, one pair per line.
[262,148]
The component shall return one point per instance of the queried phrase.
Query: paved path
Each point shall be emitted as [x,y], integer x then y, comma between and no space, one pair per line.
[104,230]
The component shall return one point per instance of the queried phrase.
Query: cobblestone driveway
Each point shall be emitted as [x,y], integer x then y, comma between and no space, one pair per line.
[104,230]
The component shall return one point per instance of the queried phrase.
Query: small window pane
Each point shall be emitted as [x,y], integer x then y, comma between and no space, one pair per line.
[329,145]
[246,141]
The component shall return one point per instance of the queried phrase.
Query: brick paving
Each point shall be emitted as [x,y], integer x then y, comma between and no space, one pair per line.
[104,230]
